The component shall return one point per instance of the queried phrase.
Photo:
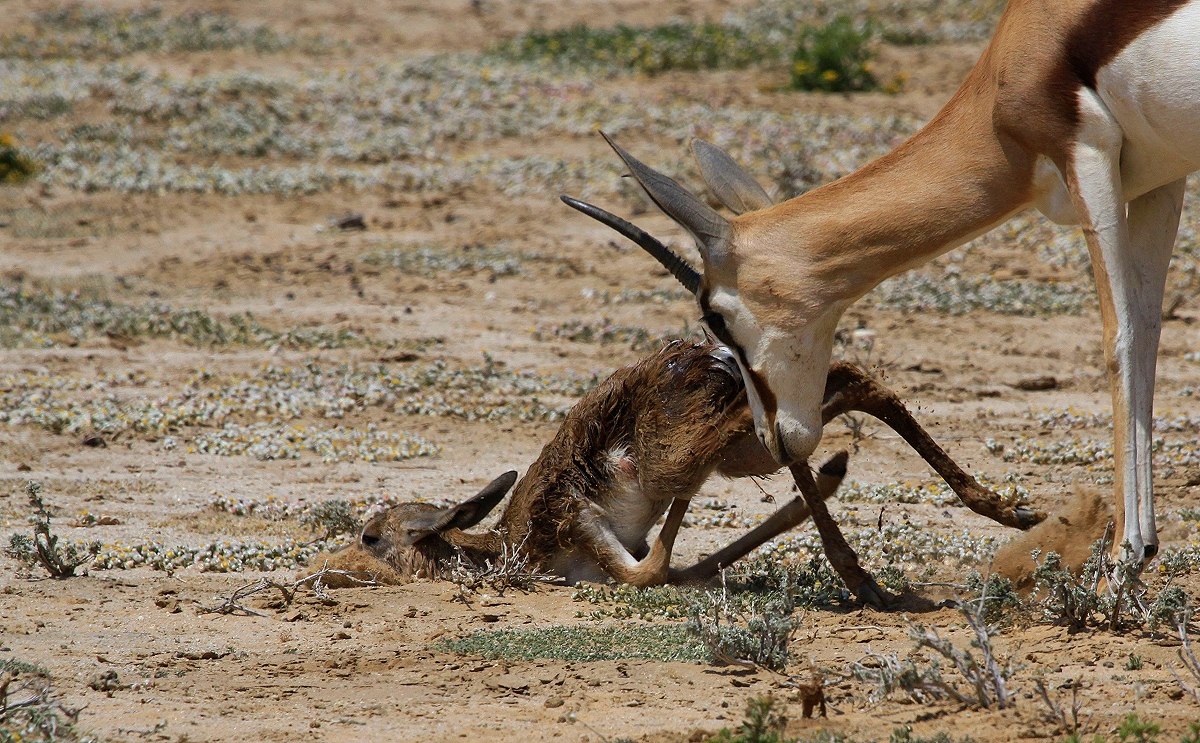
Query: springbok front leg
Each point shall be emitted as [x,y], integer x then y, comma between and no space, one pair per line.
[792,514]
[1130,255]
[850,388]
[597,539]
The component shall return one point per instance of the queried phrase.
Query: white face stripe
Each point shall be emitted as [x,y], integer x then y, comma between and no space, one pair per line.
[792,365]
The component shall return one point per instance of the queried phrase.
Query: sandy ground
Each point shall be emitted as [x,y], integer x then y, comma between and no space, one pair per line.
[362,664]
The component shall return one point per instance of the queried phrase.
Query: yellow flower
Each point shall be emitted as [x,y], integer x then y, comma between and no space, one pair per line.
[801,67]
[6,140]
[829,76]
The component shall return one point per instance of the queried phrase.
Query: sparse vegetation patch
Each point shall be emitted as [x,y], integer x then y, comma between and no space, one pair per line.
[78,31]
[679,45]
[661,642]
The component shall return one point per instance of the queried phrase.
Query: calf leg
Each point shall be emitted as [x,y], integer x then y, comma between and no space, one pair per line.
[850,388]
[843,559]
[793,513]
[596,539]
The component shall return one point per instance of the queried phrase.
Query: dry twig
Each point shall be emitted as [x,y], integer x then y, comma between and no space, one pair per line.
[233,604]
[1070,723]
[1186,657]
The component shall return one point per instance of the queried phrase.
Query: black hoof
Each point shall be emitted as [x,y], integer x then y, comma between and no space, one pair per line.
[1028,518]
[1151,550]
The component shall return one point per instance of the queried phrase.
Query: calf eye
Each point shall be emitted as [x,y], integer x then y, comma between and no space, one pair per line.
[716,323]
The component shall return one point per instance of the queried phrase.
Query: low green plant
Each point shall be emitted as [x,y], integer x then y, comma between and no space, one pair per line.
[983,677]
[331,518]
[75,30]
[30,708]
[834,58]
[1136,730]
[904,734]
[662,642]
[1134,663]
[1001,600]
[14,167]
[764,722]
[43,548]
[1104,594]
[678,45]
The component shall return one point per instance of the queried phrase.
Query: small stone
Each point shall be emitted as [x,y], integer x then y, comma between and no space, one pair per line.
[1036,384]
[553,702]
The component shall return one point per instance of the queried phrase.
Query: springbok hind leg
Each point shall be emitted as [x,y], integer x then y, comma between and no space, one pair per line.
[1130,255]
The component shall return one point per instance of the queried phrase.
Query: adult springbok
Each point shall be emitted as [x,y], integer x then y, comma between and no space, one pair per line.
[1087,110]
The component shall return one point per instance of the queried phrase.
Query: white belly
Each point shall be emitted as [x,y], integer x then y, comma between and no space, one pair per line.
[1152,89]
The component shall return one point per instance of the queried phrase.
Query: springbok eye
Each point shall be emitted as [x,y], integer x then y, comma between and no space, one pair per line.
[716,323]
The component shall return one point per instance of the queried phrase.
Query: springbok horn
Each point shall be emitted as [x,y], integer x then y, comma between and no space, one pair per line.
[672,261]
[710,229]
[729,182]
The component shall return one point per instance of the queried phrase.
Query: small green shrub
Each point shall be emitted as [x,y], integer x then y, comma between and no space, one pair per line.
[43,548]
[332,517]
[14,167]
[672,46]
[834,58]
[1136,730]
[1002,599]
[764,723]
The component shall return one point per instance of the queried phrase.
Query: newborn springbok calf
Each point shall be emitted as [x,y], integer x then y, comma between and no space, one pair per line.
[643,441]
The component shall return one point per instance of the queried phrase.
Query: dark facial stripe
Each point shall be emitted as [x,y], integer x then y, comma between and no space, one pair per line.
[765,395]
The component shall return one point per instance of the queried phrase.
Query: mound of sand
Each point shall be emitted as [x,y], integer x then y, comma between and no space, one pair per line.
[1070,532]
[352,560]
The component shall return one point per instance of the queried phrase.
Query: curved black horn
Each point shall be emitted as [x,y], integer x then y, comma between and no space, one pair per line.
[672,261]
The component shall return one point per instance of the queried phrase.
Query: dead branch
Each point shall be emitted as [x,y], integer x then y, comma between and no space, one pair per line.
[233,604]
[1070,723]
[1186,657]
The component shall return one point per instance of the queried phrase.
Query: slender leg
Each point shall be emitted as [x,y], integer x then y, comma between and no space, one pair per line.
[850,388]
[1130,271]
[793,513]
[840,555]
[597,540]
[1153,223]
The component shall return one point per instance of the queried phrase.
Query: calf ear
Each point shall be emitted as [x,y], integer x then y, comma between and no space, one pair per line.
[471,511]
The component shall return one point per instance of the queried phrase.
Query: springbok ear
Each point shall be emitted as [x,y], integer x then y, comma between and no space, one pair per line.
[471,511]
[710,229]
[729,182]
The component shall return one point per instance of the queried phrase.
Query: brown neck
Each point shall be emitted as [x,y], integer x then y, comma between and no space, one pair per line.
[953,180]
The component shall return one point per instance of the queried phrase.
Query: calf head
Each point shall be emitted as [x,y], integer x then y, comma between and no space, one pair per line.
[417,539]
